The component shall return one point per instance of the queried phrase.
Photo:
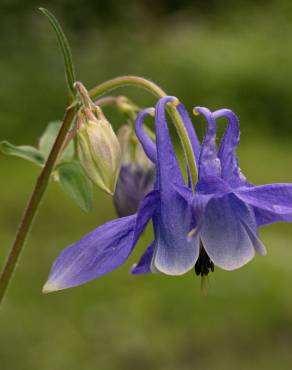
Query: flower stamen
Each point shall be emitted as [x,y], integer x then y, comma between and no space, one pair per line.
[203,265]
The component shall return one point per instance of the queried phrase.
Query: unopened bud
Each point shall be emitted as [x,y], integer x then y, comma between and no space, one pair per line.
[98,149]
[137,174]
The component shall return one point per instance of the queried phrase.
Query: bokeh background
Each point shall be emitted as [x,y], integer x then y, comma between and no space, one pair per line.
[214,53]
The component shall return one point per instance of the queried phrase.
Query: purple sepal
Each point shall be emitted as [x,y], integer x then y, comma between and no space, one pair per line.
[173,219]
[144,265]
[102,250]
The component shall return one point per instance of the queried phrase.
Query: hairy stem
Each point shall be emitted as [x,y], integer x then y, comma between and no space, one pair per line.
[33,205]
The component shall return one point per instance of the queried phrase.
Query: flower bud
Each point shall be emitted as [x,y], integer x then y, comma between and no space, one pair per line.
[98,149]
[137,174]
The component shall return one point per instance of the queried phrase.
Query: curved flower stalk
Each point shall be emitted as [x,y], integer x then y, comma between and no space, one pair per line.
[107,247]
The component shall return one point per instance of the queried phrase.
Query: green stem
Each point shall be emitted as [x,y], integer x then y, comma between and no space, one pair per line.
[117,82]
[33,205]
[159,93]
[107,100]
[186,143]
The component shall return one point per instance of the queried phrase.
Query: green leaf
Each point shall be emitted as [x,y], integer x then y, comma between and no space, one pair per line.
[65,49]
[47,141]
[23,151]
[76,184]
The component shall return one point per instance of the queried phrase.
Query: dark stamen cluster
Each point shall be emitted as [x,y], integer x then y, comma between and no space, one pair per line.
[203,265]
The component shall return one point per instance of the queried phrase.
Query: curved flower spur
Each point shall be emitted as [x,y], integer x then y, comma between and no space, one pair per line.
[227,208]
[109,246]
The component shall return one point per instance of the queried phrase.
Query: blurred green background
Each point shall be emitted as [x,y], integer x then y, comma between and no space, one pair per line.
[214,53]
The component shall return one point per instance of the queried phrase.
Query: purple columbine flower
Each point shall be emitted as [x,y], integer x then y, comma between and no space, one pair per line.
[109,246]
[227,209]
[217,224]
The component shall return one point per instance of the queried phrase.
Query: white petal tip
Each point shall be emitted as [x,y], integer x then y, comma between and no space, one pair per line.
[262,253]
[171,271]
[50,287]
